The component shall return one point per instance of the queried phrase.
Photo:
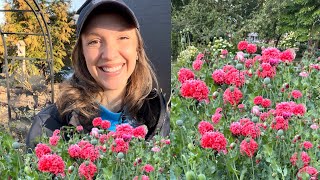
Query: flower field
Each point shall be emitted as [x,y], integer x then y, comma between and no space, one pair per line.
[72,154]
[245,115]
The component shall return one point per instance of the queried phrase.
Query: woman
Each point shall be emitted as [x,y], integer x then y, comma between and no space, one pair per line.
[112,77]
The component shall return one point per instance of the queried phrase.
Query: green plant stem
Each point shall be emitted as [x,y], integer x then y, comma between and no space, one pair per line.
[182,138]
[186,167]
[252,168]
[19,161]
[225,162]
[236,172]
[204,113]
[289,75]
[183,145]
[272,95]
[280,149]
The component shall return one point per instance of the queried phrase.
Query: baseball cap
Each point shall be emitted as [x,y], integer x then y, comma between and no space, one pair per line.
[105,6]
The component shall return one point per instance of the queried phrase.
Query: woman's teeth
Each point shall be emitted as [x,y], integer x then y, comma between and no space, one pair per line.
[113,69]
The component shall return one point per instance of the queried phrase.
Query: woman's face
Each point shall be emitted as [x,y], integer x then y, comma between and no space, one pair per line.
[110,46]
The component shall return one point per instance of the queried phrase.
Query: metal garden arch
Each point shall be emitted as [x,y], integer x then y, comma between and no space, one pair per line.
[45,33]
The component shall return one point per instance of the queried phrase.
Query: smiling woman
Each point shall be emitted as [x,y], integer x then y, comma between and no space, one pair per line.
[112,79]
[110,47]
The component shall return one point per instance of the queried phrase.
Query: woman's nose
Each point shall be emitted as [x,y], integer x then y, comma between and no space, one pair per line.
[109,51]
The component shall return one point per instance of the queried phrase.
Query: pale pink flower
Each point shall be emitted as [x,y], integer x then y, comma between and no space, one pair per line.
[155,149]
[240,56]
[303,74]
[94,132]
[255,110]
[314,126]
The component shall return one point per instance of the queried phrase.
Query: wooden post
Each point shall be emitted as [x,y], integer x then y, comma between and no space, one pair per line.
[21,45]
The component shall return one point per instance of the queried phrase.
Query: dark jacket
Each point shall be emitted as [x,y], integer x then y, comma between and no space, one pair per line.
[153,112]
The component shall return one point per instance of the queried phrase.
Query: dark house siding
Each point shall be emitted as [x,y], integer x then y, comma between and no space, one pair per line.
[154,17]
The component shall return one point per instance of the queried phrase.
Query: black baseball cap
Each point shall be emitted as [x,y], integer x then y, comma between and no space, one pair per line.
[104,5]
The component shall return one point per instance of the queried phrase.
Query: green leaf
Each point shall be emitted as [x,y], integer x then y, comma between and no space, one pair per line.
[285,172]
[107,173]
[267,150]
[243,172]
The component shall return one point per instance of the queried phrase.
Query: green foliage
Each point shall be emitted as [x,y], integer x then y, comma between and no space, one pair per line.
[178,4]
[304,16]
[219,44]
[265,20]
[288,40]
[203,20]
[188,55]
[10,160]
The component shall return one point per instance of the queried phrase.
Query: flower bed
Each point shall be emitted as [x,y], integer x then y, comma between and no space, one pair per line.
[246,116]
[72,154]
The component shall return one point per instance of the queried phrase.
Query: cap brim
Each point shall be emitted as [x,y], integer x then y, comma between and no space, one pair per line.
[88,7]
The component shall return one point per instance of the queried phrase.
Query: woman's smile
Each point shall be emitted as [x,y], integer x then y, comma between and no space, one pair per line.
[112,70]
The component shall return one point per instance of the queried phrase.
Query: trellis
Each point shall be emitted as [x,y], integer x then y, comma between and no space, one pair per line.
[45,33]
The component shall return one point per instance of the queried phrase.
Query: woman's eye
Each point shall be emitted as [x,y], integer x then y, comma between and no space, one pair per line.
[124,37]
[93,42]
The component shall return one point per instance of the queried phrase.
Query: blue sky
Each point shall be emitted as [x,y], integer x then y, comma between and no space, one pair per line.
[75,4]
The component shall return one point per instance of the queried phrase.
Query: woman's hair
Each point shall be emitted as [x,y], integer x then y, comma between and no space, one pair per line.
[80,91]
